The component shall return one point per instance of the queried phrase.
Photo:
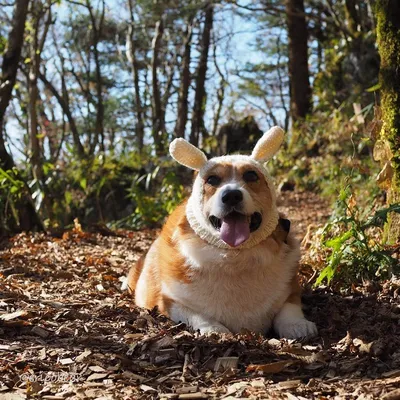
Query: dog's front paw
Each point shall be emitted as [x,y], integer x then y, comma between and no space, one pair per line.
[213,328]
[296,329]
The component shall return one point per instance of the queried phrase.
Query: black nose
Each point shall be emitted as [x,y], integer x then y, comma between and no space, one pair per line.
[232,197]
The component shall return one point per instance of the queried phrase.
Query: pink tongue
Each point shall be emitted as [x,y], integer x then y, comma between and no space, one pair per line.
[235,230]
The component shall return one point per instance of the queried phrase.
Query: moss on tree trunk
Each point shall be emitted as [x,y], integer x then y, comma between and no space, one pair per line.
[388,32]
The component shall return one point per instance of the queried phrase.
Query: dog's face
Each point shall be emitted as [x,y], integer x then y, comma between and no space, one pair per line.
[235,200]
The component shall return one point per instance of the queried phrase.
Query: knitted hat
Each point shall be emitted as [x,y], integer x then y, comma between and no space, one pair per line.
[190,156]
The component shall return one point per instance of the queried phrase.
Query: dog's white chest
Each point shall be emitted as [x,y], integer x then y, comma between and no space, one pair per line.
[240,292]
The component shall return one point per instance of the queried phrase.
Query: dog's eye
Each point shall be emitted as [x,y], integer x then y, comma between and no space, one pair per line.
[250,176]
[213,180]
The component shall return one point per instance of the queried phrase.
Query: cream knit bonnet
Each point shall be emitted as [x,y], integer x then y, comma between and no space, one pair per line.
[190,156]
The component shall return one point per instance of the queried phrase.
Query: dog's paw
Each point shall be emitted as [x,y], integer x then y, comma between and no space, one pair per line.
[213,328]
[297,329]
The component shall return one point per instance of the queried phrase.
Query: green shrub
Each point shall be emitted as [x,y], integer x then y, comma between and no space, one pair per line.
[11,189]
[353,239]
[155,197]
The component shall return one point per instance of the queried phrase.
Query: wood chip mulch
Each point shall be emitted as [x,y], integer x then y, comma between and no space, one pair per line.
[67,331]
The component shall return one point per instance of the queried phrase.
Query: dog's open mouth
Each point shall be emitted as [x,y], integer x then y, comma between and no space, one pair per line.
[235,228]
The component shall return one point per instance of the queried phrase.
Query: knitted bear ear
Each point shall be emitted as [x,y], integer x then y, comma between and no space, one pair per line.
[187,154]
[268,145]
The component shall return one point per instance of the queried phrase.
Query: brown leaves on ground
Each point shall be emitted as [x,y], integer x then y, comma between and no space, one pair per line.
[67,331]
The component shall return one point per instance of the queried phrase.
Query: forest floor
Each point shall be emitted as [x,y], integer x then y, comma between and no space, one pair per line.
[67,330]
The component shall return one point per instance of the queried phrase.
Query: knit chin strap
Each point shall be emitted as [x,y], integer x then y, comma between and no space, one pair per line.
[190,156]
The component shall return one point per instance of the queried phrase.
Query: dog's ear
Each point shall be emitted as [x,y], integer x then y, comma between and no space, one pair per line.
[268,145]
[187,154]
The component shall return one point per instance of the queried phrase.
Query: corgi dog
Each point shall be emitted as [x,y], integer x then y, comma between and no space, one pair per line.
[225,259]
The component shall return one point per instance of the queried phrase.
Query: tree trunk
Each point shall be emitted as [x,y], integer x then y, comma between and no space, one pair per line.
[28,218]
[300,91]
[9,72]
[199,106]
[388,35]
[131,55]
[158,122]
[35,144]
[99,124]
[185,83]
[38,12]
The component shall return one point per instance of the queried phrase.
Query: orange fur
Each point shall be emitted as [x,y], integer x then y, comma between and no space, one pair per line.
[218,289]
[170,265]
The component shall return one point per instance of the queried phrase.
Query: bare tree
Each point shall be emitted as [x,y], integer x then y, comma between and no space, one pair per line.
[198,127]
[9,72]
[183,105]
[38,12]
[97,27]
[64,104]
[27,216]
[131,55]
[157,114]
[300,90]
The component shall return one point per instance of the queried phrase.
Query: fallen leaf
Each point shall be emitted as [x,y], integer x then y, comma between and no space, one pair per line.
[146,388]
[272,368]
[97,376]
[83,355]
[66,361]
[14,315]
[96,368]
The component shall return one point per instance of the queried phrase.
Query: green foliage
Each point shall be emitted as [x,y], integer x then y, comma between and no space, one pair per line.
[326,151]
[353,239]
[3,44]
[114,190]
[155,198]
[11,189]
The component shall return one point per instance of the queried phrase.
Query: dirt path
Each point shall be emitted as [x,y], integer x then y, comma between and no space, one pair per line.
[66,331]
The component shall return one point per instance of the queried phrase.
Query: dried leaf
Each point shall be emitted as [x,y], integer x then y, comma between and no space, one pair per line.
[14,315]
[83,355]
[146,388]
[97,376]
[272,368]
[66,361]
[96,368]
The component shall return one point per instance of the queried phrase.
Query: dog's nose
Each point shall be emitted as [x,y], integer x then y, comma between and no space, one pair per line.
[232,197]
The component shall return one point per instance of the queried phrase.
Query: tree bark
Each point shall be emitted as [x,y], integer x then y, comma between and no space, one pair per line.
[27,216]
[131,55]
[300,91]
[183,103]
[38,13]
[99,124]
[199,106]
[158,121]
[388,35]
[9,73]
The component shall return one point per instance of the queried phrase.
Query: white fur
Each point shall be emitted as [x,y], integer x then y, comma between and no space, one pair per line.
[290,323]
[235,290]
[197,321]
[217,206]
[199,221]
[146,276]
